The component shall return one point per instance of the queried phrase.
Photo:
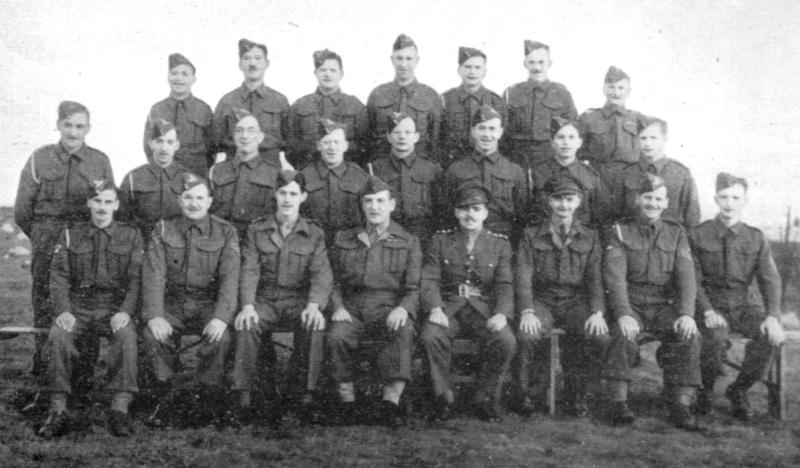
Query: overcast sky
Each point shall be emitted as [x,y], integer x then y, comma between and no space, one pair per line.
[724,74]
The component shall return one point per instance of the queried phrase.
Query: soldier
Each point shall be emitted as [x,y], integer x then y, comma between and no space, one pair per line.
[649,273]
[150,192]
[566,141]
[728,255]
[285,282]
[53,188]
[94,285]
[467,290]
[683,205]
[270,107]
[328,102]
[508,205]
[462,102]
[559,284]
[532,104]
[404,94]
[333,185]
[611,133]
[191,117]
[243,185]
[190,278]
[415,179]
[377,270]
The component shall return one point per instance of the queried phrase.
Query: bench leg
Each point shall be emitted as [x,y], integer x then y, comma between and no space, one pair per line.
[776,396]
[551,391]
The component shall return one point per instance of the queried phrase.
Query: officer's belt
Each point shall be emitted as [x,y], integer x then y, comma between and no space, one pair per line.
[90,298]
[651,294]
[462,290]
[176,293]
[273,293]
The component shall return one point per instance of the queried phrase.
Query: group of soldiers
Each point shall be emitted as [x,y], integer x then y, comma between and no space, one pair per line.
[405,224]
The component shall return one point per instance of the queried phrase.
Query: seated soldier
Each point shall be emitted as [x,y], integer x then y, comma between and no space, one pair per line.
[285,282]
[190,278]
[94,284]
[649,273]
[375,296]
[467,289]
[729,254]
[150,192]
[559,284]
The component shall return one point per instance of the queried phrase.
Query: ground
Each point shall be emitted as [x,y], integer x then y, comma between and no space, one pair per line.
[463,441]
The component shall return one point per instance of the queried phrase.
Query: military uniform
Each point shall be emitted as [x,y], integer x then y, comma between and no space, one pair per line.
[460,107]
[610,138]
[727,260]
[190,275]
[95,274]
[334,196]
[304,117]
[416,184]
[681,189]
[470,287]
[531,107]
[149,193]
[417,100]
[269,107]
[560,280]
[51,195]
[280,276]
[243,190]
[371,279]
[649,273]
[509,205]
[596,202]
[192,119]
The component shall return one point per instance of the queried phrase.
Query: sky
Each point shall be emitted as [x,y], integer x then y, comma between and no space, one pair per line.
[722,73]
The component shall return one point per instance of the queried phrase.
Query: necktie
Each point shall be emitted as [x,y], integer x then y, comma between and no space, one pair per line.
[100,246]
[651,168]
[250,99]
[562,233]
[187,255]
[373,237]
[402,106]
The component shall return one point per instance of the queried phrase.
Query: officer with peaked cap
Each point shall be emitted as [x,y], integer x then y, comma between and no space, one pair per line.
[190,115]
[329,102]
[333,184]
[462,102]
[376,269]
[532,104]
[404,94]
[415,179]
[270,107]
[51,195]
[467,291]
[559,284]
[728,255]
[94,284]
[150,192]
[509,205]
[190,279]
[243,185]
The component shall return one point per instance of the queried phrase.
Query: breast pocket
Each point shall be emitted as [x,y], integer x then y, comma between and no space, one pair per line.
[192,134]
[638,257]
[81,262]
[348,119]
[578,258]
[519,117]
[52,186]
[503,189]
[710,257]
[350,191]
[394,256]
[297,263]
[423,186]
[307,121]
[351,261]
[744,262]
[544,259]
[262,189]
[209,253]
[665,251]
[267,255]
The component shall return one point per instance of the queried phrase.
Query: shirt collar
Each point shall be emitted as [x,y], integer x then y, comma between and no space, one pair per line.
[411,87]
[408,161]
[335,96]
[252,163]
[170,170]
[204,225]
[645,225]
[658,164]
[338,171]
[477,156]
[64,155]
[543,85]
[609,108]
[464,93]
[722,229]
[261,90]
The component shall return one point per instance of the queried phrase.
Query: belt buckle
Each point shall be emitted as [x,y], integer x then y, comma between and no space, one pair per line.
[463,291]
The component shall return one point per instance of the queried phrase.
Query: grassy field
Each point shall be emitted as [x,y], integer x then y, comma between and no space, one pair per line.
[463,441]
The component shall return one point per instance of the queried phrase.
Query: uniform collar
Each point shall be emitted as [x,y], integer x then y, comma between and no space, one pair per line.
[338,171]
[410,88]
[170,170]
[64,155]
[722,229]
[645,226]
[609,108]
[300,226]
[252,163]
[658,164]
[108,230]
[261,90]
[408,161]
[335,96]
[543,85]
[392,230]
[464,93]
[477,156]
[172,100]
[204,225]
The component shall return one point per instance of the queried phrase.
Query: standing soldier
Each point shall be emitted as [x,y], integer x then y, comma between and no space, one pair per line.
[190,116]
[328,102]
[559,284]
[611,133]
[728,255]
[467,290]
[95,281]
[334,185]
[532,104]
[461,104]
[285,282]
[649,273]
[190,278]
[415,179]
[683,205]
[508,204]
[377,270]
[404,94]
[53,188]
[150,192]
[243,185]
[566,141]
[270,107]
